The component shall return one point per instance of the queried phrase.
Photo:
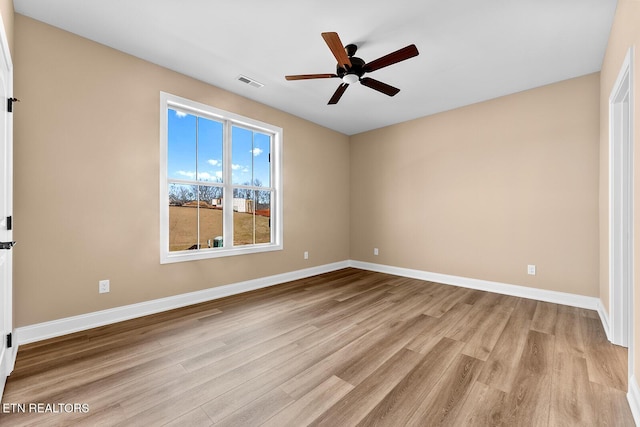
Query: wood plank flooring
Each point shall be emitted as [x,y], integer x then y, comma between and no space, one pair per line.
[347,348]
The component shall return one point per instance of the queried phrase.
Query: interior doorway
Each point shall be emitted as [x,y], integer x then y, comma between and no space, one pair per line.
[621,274]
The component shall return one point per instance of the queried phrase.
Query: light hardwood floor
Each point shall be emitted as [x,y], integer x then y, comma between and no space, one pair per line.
[345,348]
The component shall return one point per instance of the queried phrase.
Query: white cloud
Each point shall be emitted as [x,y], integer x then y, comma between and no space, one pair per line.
[245,170]
[236,167]
[187,174]
[202,176]
[205,176]
[180,114]
[213,162]
[256,151]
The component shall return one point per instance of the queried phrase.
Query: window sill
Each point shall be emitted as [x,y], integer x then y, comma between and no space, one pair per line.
[184,256]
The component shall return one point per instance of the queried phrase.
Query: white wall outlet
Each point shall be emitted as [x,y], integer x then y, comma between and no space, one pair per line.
[103,286]
[306,255]
[531,270]
[375,251]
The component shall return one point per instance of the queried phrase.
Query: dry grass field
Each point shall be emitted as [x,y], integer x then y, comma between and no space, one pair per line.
[183,227]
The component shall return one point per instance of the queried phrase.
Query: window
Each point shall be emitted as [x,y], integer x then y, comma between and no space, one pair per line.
[220,182]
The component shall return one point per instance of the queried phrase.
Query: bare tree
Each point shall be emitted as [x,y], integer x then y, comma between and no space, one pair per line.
[263,199]
[207,193]
[181,194]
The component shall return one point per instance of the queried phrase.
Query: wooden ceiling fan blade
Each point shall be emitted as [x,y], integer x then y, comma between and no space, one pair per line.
[338,93]
[336,47]
[310,76]
[379,86]
[392,58]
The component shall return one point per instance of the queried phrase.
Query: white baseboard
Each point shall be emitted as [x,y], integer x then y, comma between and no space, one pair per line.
[633,396]
[6,366]
[56,328]
[604,318]
[3,381]
[485,285]
[13,353]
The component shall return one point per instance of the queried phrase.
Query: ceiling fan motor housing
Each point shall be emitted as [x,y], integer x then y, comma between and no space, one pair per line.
[357,68]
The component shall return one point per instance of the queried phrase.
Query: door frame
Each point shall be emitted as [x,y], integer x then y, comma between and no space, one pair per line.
[621,213]
[8,360]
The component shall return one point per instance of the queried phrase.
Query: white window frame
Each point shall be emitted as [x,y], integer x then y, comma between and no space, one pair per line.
[169,101]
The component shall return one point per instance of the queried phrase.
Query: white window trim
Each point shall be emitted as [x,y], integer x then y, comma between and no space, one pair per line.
[167,101]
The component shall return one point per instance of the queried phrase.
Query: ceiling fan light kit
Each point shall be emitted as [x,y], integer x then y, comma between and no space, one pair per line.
[351,69]
[350,78]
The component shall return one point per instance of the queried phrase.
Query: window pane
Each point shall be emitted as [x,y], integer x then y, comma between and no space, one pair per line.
[241,156]
[243,217]
[263,217]
[209,150]
[211,217]
[181,163]
[251,217]
[261,164]
[250,157]
[183,217]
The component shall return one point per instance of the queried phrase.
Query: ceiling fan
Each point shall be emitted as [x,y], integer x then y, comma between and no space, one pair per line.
[352,69]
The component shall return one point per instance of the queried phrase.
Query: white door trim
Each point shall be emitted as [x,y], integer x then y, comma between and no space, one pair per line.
[8,358]
[621,216]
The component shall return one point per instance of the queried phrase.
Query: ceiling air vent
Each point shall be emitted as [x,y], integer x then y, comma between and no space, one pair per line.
[250,82]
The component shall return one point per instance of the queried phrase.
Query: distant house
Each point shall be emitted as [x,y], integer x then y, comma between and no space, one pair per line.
[243,205]
[239,205]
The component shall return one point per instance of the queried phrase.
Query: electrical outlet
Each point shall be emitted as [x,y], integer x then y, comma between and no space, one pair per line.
[531,270]
[103,286]
[375,251]
[306,255]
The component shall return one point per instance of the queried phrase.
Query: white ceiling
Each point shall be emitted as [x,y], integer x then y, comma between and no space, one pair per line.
[470,50]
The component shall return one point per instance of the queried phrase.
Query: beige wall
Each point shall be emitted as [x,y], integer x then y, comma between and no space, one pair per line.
[87,181]
[625,33]
[485,190]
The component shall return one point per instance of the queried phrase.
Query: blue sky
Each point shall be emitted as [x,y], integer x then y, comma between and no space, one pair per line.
[249,154]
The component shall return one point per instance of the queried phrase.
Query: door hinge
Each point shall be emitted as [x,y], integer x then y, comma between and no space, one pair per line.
[9,223]
[9,340]
[10,102]
[7,245]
